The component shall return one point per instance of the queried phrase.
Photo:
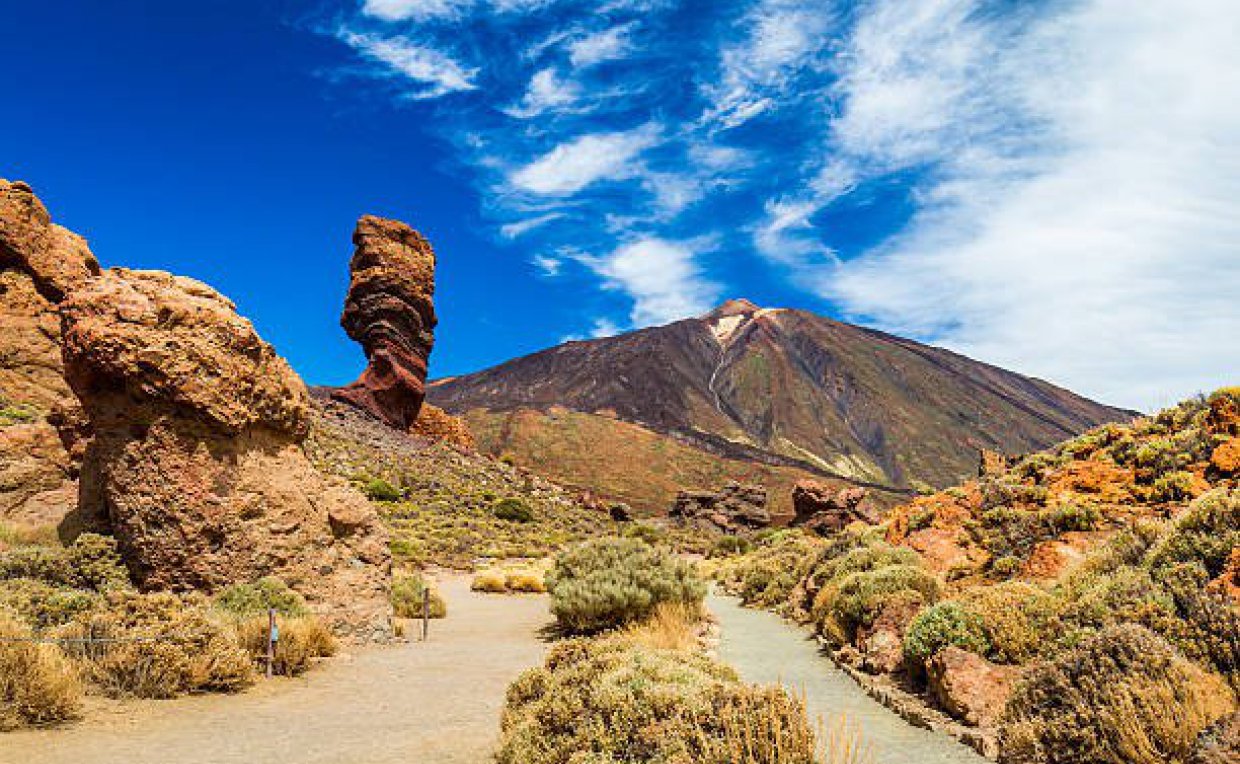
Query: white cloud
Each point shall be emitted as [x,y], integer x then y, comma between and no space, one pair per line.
[437,73]
[547,264]
[546,92]
[1085,219]
[584,160]
[418,10]
[662,277]
[513,230]
[782,37]
[606,45]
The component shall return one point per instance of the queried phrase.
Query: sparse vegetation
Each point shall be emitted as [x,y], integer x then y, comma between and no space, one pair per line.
[410,591]
[302,639]
[607,583]
[38,685]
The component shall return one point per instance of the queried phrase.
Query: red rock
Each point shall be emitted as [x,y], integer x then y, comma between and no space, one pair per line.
[389,309]
[968,686]
[828,510]
[197,456]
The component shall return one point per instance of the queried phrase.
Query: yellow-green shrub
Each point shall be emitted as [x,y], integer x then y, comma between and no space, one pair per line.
[1018,619]
[490,581]
[1123,696]
[37,684]
[607,583]
[408,592]
[246,600]
[607,701]
[947,623]
[858,598]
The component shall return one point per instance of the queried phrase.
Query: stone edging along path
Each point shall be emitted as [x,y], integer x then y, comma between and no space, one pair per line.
[766,649]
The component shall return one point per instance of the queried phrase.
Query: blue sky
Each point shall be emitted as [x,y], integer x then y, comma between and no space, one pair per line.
[1053,187]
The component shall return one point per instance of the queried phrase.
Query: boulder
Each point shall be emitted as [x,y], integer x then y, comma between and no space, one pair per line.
[826,510]
[433,423]
[882,642]
[389,309]
[968,686]
[40,263]
[197,455]
[730,509]
[991,463]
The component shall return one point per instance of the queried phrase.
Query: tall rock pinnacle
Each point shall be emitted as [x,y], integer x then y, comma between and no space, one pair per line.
[390,311]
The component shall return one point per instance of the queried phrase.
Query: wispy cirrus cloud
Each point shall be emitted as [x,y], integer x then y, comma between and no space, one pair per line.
[1048,186]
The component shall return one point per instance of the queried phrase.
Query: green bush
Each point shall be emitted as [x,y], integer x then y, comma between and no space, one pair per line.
[608,701]
[42,605]
[607,583]
[512,510]
[1174,486]
[651,534]
[859,598]
[729,546]
[947,623]
[90,562]
[245,600]
[1019,620]
[1124,696]
[378,489]
[1206,533]
[407,596]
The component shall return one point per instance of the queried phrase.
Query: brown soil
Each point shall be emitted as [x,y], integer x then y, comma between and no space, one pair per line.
[437,701]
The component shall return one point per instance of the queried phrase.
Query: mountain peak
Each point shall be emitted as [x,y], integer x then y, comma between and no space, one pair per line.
[734,307]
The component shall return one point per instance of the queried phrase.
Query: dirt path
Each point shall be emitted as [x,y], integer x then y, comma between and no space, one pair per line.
[437,701]
[767,650]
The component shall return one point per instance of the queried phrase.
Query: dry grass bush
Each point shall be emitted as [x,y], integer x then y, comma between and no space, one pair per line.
[168,645]
[607,583]
[1124,696]
[672,626]
[490,581]
[43,605]
[607,701]
[38,685]
[1018,619]
[408,592]
[301,640]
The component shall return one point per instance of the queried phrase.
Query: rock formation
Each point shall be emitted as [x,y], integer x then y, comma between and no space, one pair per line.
[389,310]
[40,263]
[436,424]
[968,686]
[197,454]
[730,509]
[827,510]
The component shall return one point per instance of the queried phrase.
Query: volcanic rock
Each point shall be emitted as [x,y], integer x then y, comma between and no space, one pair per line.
[733,507]
[968,686]
[39,263]
[436,424]
[197,454]
[389,310]
[827,510]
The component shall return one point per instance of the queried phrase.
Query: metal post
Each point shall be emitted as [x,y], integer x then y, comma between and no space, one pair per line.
[271,640]
[426,611]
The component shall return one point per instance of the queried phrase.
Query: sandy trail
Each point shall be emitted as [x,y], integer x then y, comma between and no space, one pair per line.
[437,701]
[767,650]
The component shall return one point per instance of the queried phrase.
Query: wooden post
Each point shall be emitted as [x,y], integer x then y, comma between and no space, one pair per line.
[271,640]
[426,611]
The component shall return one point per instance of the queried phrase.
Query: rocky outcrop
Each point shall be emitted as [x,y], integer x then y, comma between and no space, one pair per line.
[826,510]
[389,309]
[197,452]
[732,508]
[40,263]
[968,686]
[433,423]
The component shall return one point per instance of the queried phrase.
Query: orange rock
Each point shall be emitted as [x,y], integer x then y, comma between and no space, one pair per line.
[968,686]
[1226,457]
[436,424]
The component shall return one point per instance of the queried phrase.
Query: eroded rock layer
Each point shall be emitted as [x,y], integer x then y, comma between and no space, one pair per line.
[389,310]
[40,262]
[197,453]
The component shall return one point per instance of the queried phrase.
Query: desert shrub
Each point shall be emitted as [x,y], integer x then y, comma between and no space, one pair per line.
[1073,516]
[525,581]
[301,639]
[378,489]
[408,591]
[1126,548]
[38,685]
[492,581]
[512,510]
[858,598]
[767,575]
[1206,533]
[729,546]
[90,562]
[651,534]
[947,623]
[610,701]
[245,600]
[42,605]
[167,645]
[1126,594]
[1123,696]
[1174,486]
[1019,620]
[1157,457]
[607,583]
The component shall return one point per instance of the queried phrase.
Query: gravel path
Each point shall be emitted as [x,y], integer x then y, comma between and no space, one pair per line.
[765,649]
[437,701]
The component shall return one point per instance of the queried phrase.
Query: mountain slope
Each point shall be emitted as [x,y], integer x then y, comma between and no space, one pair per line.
[781,387]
